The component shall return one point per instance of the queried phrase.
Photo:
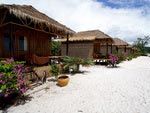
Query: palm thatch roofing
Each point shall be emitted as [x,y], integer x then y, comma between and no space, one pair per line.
[29,12]
[129,47]
[90,35]
[119,42]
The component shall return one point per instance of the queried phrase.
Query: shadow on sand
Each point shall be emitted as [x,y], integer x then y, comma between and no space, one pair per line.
[12,100]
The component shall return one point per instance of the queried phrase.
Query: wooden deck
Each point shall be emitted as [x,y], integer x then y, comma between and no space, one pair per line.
[102,61]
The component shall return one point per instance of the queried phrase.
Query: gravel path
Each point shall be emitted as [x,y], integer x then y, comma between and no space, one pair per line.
[99,90]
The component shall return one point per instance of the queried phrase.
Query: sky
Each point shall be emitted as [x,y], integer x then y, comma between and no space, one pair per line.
[125,19]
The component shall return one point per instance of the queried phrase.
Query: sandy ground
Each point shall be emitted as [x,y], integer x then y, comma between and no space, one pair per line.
[99,90]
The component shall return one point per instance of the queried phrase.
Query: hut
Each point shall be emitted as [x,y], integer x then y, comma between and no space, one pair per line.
[87,44]
[120,46]
[25,31]
[129,49]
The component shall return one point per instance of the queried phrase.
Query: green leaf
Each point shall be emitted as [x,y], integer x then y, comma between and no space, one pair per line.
[3,87]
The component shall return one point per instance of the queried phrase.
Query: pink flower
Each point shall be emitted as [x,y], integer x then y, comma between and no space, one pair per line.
[1,75]
[9,61]
[113,58]
[2,82]
[23,90]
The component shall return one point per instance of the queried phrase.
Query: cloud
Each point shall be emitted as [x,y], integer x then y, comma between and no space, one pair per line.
[126,23]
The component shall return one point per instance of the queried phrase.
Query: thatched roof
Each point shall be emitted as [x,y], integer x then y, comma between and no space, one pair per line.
[119,42]
[88,36]
[97,33]
[129,47]
[75,39]
[29,12]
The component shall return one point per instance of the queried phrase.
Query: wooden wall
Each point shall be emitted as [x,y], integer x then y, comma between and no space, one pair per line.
[103,50]
[78,49]
[121,50]
[37,42]
[129,51]
[0,42]
[3,30]
[85,49]
[114,49]
[103,47]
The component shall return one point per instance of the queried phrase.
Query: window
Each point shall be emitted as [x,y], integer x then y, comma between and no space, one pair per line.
[7,43]
[22,43]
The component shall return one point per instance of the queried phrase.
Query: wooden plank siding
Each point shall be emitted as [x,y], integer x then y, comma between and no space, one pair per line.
[37,42]
[4,30]
[0,42]
[78,49]
[86,49]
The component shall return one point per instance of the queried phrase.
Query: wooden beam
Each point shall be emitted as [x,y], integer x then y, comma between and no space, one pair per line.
[2,18]
[28,27]
[67,45]
[54,34]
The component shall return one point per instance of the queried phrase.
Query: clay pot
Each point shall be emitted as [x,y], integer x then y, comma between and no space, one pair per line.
[62,80]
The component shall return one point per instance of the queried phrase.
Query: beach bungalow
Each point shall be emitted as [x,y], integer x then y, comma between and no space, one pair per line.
[129,49]
[25,31]
[87,44]
[120,46]
[133,49]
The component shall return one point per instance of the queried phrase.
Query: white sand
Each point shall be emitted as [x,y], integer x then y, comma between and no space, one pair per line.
[99,90]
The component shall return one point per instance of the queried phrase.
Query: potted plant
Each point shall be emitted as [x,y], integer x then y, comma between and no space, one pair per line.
[61,80]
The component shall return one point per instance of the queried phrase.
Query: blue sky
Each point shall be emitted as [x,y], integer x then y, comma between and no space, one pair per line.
[126,3]
[126,19]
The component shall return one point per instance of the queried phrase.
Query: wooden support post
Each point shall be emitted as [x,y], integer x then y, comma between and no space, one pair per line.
[11,40]
[99,48]
[107,48]
[125,49]
[67,45]
[117,49]
[111,48]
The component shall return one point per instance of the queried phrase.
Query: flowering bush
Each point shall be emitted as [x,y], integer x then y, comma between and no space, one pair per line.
[11,77]
[113,59]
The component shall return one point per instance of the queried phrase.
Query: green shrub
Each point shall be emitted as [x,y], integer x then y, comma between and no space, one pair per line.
[87,62]
[55,70]
[121,57]
[74,63]
[11,77]
[55,47]
[12,80]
